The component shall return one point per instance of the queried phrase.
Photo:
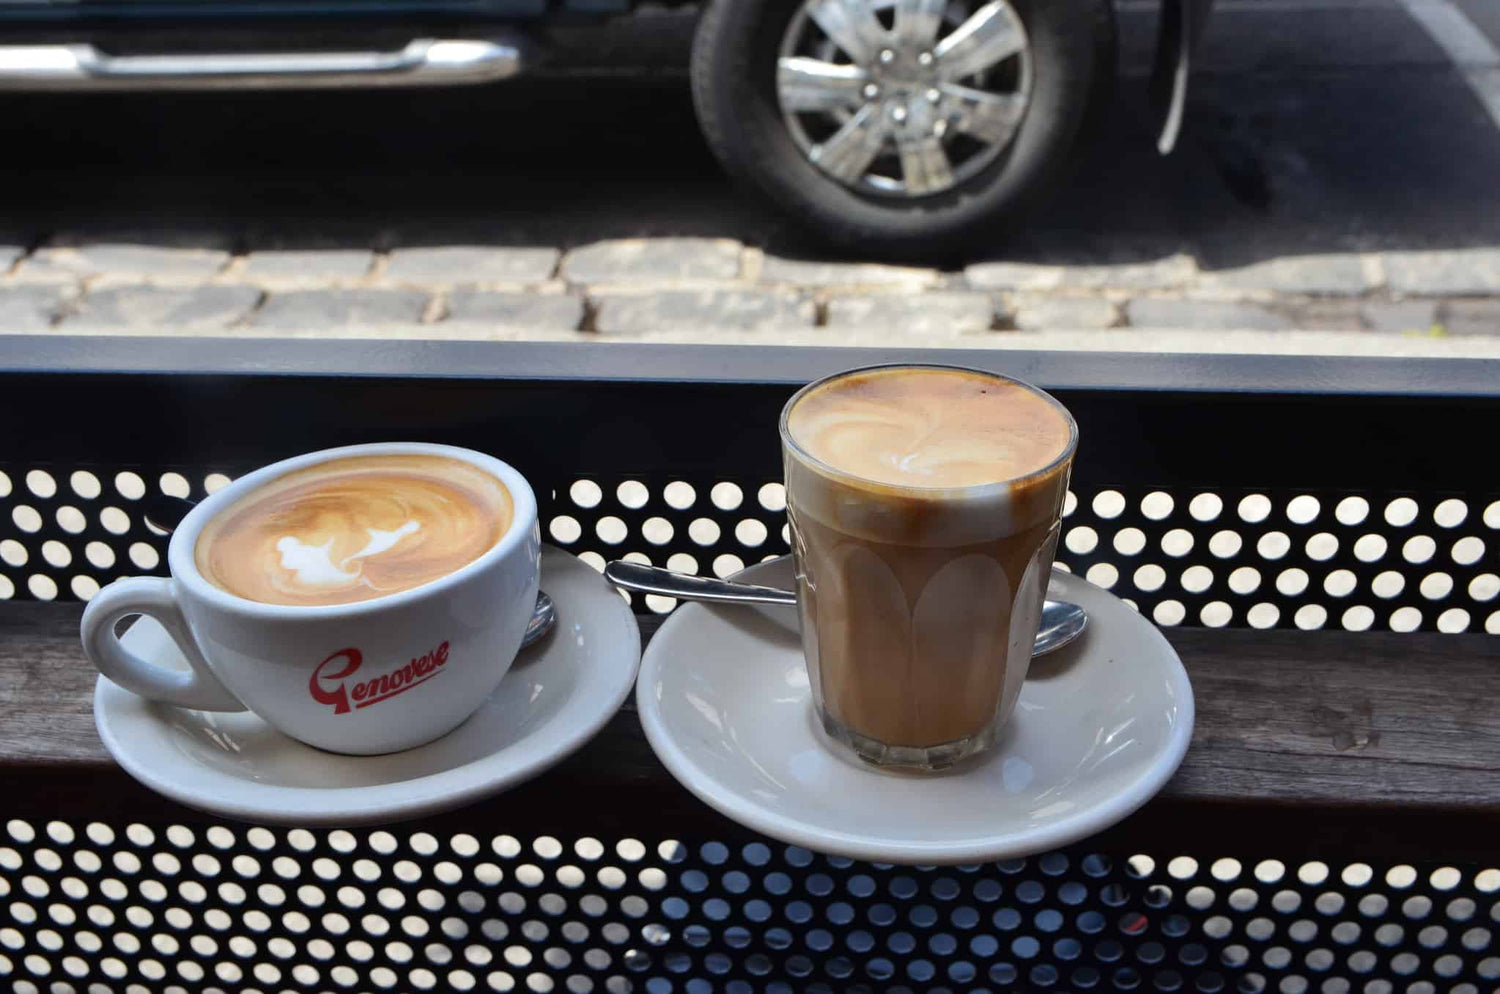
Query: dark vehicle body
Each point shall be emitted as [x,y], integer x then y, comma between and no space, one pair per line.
[896,127]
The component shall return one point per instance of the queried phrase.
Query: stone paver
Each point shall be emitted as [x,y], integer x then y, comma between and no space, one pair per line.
[461,265]
[29,308]
[1013,276]
[1205,315]
[1458,273]
[1043,313]
[336,309]
[1310,274]
[1154,274]
[170,310]
[562,311]
[1399,316]
[308,266]
[634,260]
[1327,315]
[147,263]
[925,314]
[1472,317]
[703,311]
[799,272]
[1158,274]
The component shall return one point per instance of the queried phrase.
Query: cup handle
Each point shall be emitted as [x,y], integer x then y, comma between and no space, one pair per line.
[153,597]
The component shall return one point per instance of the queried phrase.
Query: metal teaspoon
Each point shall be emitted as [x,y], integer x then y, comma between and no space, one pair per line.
[1062,621]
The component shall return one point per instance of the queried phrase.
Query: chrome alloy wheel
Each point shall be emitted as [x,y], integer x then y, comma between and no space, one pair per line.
[904,98]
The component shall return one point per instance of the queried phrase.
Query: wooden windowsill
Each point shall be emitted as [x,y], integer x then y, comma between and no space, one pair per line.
[1319,740]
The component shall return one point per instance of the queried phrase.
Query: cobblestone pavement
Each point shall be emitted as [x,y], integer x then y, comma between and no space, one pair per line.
[717,290]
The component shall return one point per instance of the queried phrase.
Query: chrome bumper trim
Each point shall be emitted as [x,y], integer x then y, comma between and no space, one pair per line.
[425,61]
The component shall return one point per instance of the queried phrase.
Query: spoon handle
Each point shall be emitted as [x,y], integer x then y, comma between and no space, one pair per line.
[669,583]
[1061,621]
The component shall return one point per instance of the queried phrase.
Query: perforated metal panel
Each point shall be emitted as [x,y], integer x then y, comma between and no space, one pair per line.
[171,907]
[1242,558]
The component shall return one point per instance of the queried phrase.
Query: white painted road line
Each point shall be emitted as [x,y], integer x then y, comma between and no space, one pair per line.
[1473,54]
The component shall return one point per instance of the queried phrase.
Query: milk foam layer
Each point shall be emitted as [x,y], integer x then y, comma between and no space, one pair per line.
[929,428]
[924,506]
[354,529]
[927,456]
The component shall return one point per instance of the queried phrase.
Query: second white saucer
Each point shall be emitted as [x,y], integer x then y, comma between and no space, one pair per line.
[1101,725]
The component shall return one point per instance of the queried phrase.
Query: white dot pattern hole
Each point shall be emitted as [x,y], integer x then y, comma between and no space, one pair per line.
[585,493]
[1197,579]
[1401,512]
[1273,545]
[1206,507]
[633,494]
[130,485]
[1129,541]
[1436,586]
[1418,549]
[1369,548]
[1254,508]
[1322,547]
[1103,575]
[1225,544]
[1467,551]
[1351,510]
[71,520]
[1157,505]
[1109,504]
[1245,580]
[1081,539]
[1450,513]
[1263,615]
[1303,508]
[41,483]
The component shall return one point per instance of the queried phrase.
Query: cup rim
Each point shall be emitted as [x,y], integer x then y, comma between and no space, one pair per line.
[973,489]
[182,561]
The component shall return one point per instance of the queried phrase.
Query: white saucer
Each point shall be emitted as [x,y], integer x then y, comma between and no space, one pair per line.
[555,697]
[1101,725]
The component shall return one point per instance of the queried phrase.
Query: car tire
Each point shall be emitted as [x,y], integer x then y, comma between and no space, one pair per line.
[734,80]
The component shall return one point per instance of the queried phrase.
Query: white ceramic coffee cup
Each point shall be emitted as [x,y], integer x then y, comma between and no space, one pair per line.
[334,676]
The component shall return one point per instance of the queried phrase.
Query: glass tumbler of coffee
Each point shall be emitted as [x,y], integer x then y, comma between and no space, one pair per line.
[925,505]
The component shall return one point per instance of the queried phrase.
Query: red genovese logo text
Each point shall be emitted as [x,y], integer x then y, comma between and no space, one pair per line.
[330,683]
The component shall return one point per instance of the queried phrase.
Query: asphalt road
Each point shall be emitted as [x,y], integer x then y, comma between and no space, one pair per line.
[1314,125]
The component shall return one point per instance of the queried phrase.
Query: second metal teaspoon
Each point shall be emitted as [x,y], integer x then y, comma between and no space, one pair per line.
[1062,622]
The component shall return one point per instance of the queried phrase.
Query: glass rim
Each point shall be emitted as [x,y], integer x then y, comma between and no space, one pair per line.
[836,473]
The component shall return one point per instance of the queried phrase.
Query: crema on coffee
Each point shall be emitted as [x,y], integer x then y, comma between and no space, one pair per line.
[924,504]
[354,529]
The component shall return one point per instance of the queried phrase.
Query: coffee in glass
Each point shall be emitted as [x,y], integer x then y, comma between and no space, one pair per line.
[924,504]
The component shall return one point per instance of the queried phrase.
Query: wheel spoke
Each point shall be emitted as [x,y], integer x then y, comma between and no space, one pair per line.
[917,22]
[992,34]
[990,117]
[925,166]
[812,85]
[851,149]
[852,25]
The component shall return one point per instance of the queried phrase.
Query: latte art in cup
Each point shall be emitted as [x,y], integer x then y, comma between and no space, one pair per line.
[354,529]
